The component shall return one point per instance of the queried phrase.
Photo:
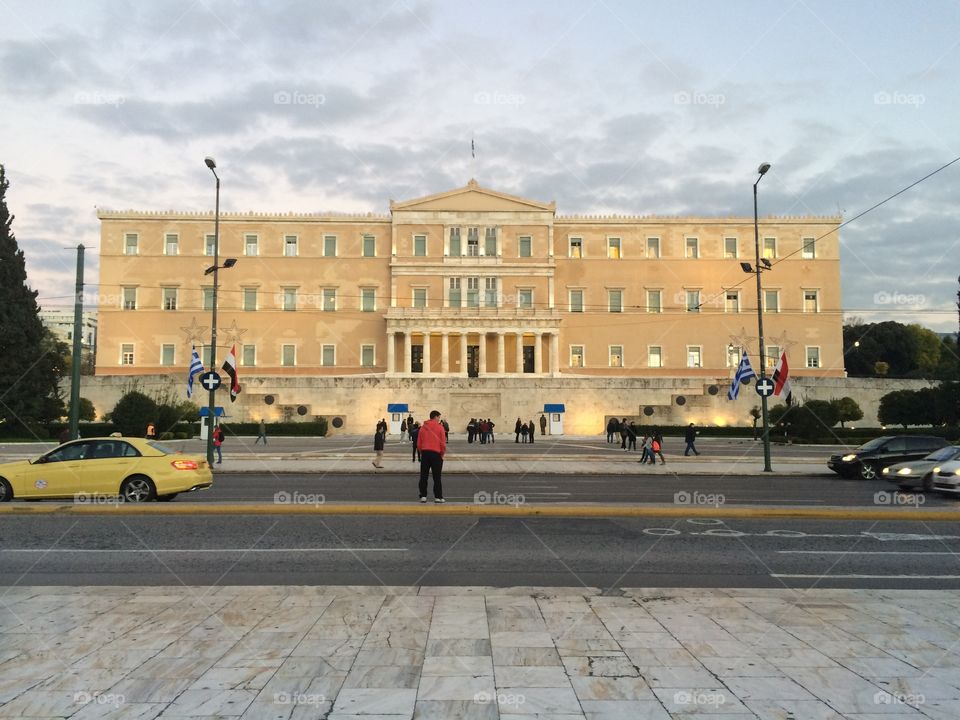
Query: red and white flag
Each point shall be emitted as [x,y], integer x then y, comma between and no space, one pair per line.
[230,367]
[781,378]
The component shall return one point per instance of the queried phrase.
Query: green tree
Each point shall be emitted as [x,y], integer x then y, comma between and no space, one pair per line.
[133,412]
[896,408]
[928,347]
[29,374]
[755,416]
[87,411]
[847,410]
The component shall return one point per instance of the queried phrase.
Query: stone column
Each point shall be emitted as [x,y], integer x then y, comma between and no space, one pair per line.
[483,353]
[407,352]
[426,352]
[555,354]
[537,354]
[445,353]
[391,352]
[501,354]
[463,353]
[519,353]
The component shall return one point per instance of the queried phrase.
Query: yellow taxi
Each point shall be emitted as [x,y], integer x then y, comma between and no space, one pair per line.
[129,469]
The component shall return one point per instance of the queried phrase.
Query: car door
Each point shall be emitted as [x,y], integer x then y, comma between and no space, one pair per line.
[893,451]
[57,474]
[106,465]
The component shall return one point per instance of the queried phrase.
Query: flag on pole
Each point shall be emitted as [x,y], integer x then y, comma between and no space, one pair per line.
[230,367]
[473,149]
[196,367]
[744,372]
[781,378]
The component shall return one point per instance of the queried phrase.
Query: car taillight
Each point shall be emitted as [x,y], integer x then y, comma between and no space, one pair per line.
[185,464]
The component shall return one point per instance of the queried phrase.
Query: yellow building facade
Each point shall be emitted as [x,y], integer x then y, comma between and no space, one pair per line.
[468,285]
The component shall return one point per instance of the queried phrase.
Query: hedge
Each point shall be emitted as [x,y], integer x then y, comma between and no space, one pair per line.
[317,428]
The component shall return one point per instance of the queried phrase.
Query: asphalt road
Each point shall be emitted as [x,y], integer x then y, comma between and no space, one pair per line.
[538,488]
[365,550]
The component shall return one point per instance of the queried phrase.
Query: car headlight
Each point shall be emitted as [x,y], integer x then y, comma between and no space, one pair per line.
[903,471]
[957,471]
[936,470]
[848,458]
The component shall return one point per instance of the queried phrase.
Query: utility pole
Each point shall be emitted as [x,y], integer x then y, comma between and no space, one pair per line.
[77,337]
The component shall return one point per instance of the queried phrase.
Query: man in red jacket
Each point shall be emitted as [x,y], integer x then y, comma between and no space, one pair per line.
[432,444]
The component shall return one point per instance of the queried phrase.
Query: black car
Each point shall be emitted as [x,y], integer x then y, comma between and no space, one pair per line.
[868,460]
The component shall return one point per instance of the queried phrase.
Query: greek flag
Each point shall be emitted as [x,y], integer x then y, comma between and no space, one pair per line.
[744,372]
[196,367]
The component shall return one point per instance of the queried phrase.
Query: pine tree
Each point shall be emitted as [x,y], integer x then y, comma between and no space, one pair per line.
[29,365]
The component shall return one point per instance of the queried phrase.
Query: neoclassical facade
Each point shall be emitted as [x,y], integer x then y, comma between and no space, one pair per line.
[471,284]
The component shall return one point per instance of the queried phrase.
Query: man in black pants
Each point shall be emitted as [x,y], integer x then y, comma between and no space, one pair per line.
[432,443]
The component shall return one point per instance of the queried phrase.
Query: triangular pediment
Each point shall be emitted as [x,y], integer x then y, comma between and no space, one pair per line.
[472,198]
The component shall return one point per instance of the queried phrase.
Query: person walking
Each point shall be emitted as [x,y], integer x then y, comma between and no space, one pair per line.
[656,446]
[217,442]
[471,429]
[379,440]
[518,430]
[490,435]
[644,449]
[631,437]
[416,450]
[432,443]
[611,429]
[261,433]
[403,429]
[151,431]
[532,430]
[690,436]
[409,428]
[623,434]
[543,425]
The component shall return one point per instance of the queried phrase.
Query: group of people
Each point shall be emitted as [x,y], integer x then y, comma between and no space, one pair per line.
[526,432]
[651,444]
[481,430]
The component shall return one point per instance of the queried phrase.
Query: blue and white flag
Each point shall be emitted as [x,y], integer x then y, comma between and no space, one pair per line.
[744,372]
[196,367]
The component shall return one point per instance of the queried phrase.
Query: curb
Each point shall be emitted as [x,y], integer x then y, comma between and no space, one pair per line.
[452,510]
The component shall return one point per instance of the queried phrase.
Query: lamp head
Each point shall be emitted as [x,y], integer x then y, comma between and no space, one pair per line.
[766,263]
[212,164]
[763,168]
[229,262]
[747,267]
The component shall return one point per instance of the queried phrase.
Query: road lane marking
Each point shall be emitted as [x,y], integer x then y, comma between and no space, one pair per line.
[868,552]
[202,550]
[865,577]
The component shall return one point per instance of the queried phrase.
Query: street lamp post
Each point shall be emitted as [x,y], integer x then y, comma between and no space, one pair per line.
[764,167]
[212,405]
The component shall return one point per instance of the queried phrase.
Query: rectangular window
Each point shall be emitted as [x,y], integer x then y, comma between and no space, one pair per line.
[209,245]
[654,356]
[772,356]
[692,247]
[420,245]
[490,292]
[455,249]
[694,359]
[290,243]
[419,297]
[809,248]
[654,301]
[171,244]
[490,242]
[126,354]
[576,247]
[368,299]
[167,354]
[653,247]
[248,355]
[288,355]
[129,298]
[811,301]
[813,357]
[770,248]
[369,246]
[251,244]
[329,245]
[290,299]
[525,298]
[473,242]
[526,245]
[771,300]
[329,299]
[576,356]
[454,292]
[730,249]
[693,300]
[731,302]
[207,298]
[328,355]
[615,301]
[473,292]
[249,299]
[170,298]
[616,356]
[576,301]
[205,355]
[367,356]
[613,248]
[131,244]
[734,353]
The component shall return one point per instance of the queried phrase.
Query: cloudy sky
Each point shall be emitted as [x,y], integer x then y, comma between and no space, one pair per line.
[607,106]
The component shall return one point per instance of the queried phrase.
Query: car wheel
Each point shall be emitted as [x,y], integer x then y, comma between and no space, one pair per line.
[868,471]
[167,498]
[6,492]
[138,488]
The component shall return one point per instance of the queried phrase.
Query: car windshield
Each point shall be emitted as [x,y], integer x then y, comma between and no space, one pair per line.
[948,453]
[161,447]
[874,444]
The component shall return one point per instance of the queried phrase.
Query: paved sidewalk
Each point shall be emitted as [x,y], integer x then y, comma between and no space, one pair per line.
[445,653]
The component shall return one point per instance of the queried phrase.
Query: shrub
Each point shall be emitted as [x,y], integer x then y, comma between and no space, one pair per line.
[133,412]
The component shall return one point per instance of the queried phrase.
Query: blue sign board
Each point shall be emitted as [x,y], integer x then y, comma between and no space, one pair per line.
[397,407]
[554,408]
